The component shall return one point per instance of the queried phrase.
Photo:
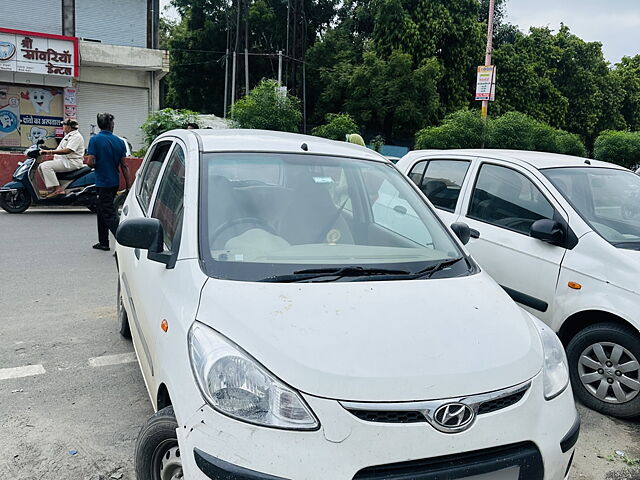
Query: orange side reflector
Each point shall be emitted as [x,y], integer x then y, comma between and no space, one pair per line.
[164,325]
[574,285]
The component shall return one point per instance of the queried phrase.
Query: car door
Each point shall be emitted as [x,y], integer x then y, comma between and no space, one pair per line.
[137,206]
[503,203]
[441,179]
[157,286]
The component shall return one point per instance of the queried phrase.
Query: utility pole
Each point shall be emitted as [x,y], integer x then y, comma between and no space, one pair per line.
[279,68]
[246,48]
[487,57]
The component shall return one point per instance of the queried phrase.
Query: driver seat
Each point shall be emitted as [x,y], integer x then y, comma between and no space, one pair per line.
[73,174]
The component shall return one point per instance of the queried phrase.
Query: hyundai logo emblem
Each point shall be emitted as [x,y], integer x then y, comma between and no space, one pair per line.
[453,417]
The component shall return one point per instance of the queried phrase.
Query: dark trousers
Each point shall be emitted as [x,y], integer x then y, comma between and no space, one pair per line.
[107,216]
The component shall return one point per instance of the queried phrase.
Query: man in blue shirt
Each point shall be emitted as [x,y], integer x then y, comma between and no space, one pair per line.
[106,154]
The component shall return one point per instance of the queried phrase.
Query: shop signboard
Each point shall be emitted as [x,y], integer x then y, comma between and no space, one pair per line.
[39,53]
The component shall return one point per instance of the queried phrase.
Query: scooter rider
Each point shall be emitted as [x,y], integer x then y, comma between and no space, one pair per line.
[67,157]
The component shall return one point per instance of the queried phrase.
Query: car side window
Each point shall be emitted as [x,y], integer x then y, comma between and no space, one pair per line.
[442,182]
[506,198]
[417,172]
[149,175]
[168,205]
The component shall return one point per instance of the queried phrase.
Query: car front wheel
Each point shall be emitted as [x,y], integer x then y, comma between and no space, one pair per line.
[605,370]
[157,450]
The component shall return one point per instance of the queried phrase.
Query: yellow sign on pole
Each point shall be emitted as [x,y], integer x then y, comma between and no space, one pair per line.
[485,83]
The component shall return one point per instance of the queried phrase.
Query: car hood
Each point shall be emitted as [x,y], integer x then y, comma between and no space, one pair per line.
[379,341]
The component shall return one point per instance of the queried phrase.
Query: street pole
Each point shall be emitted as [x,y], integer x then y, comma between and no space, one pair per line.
[233,80]
[487,57]
[226,82]
[279,68]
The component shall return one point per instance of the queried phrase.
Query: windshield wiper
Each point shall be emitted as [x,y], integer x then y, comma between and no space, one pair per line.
[339,272]
[629,245]
[429,271]
[355,271]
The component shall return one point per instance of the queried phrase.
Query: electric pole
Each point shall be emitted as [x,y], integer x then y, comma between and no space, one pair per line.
[487,57]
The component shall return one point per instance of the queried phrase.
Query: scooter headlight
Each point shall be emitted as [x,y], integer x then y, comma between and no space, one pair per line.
[238,386]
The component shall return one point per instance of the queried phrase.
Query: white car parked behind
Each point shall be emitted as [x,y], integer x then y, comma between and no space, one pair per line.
[561,235]
[288,325]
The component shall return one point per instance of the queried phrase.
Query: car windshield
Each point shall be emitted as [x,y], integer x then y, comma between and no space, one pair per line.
[608,199]
[266,217]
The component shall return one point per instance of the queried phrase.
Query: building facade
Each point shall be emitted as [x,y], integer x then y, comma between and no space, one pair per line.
[76,58]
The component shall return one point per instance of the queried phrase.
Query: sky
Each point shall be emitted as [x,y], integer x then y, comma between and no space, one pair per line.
[614,23]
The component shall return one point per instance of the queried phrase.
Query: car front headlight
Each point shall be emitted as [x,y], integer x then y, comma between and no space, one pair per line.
[236,385]
[556,371]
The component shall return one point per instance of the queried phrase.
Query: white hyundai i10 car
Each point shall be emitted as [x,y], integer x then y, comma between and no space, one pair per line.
[293,322]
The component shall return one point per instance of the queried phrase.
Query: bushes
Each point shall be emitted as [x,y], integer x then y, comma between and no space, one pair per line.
[165,120]
[621,148]
[267,108]
[518,131]
[338,126]
[461,129]
[513,130]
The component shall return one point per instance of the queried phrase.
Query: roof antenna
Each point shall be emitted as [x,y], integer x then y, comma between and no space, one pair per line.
[587,161]
[304,147]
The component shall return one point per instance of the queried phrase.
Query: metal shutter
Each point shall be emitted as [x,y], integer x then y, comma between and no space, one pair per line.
[116,22]
[44,16]
[129,106]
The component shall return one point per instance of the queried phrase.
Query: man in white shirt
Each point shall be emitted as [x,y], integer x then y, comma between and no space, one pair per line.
[67,157]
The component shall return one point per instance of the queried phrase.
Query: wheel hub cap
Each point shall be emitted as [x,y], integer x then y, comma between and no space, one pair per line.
[171,466]
[610,372]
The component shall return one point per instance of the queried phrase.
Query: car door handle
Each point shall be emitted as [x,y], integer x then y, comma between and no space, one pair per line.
[137,253]
[473,233]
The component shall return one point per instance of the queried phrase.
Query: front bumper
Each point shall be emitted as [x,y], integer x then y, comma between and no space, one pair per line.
[526,437]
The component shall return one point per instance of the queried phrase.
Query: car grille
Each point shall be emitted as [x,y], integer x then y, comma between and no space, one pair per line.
[523,455]
[494,404]
[389,417]
[500,403]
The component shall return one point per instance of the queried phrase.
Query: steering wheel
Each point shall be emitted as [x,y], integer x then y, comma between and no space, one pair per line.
[242,220]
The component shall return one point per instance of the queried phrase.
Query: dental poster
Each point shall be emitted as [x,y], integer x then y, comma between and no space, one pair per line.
[9,117]
[29,114]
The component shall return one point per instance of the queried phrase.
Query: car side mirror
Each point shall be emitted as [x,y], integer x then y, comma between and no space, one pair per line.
[142,233]
[462,231]
[548,231]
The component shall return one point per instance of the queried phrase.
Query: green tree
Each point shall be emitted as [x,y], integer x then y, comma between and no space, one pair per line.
[338,126]
[267,108]
[621,148]
[448,30]
[392,98]
[627,74]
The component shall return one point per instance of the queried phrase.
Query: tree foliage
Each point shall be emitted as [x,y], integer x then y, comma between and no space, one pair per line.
[462,129]
[267,108]
[338,126]
[621,148]
[165,120]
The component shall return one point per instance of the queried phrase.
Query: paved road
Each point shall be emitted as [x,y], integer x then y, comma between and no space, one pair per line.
[78,387]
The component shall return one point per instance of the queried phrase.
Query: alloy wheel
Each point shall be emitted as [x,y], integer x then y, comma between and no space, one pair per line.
[610,372]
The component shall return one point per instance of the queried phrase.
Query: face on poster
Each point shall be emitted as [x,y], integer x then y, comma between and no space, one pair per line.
[41,111]
[9,116]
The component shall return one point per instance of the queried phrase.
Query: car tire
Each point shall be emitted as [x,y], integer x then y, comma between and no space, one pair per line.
[123,318]
[603,367]
[157,452]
